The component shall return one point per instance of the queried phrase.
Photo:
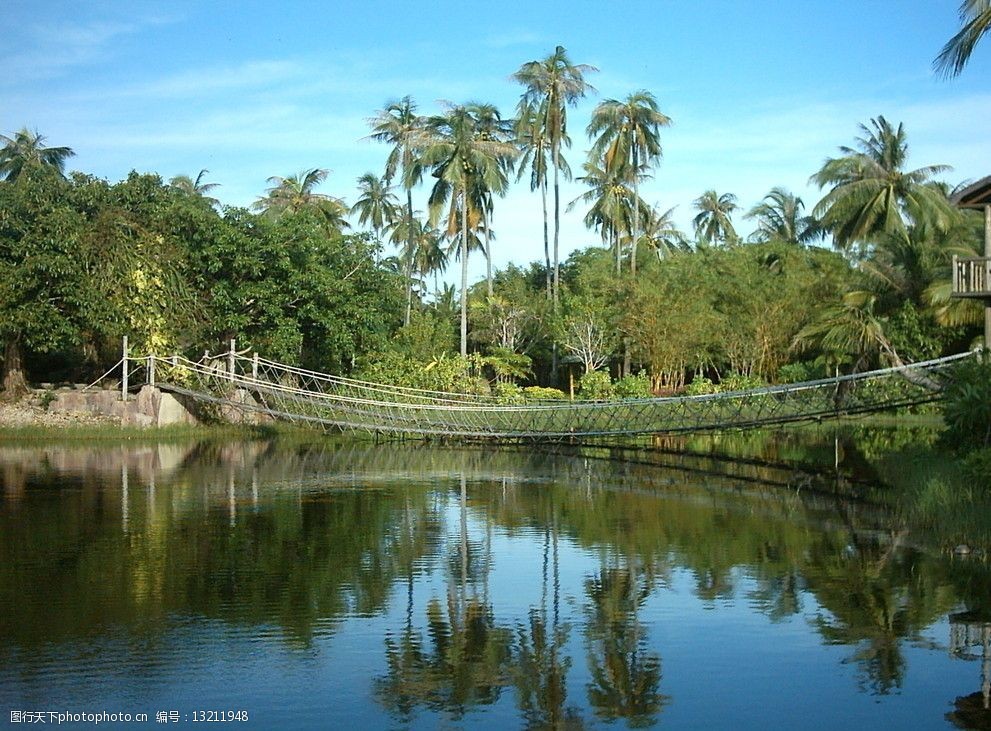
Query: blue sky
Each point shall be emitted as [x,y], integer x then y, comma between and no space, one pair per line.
[760,92]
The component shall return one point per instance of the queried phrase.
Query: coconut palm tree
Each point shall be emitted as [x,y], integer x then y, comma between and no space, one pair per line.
[25,149]
[871,194]
[196,187]
[535,148]
[849,332]
[612,204]
[491,126]
[376,206]
[296,193]
[465,163]
[420,251]
[779,218]
[626,135]
[550,87]
[431,258]
[714,221]
[400,126]
[975,19]
[661,234]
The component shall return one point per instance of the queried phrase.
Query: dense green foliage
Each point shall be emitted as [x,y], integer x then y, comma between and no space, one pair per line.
[84,262]
[967,411]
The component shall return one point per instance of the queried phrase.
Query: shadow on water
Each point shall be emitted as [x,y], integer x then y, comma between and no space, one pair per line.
[536,585]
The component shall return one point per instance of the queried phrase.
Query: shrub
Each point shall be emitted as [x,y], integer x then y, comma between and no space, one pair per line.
[800,372]
[540,393]
[700,385]
[508,393]
[967,404]
[739,382]
[632,387]
[595,386]
[450,374]
[977,466]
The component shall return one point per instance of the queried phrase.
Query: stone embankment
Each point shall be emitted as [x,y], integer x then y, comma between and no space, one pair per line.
[68,406]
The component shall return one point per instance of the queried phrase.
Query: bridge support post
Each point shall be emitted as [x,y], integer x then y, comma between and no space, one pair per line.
[230,359]
[123,373]
[151,369]
[987,302]
[254,366]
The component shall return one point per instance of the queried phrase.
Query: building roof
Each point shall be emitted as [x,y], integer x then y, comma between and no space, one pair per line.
[975,195]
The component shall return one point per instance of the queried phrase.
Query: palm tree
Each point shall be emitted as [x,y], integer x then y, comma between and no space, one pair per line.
[376,206]
[295,193]
[779,218]
[612,204]
[196,187]
[661,234]
[25,149]
[535,147]
[714,220]
[490,126]
[871,194]
[975,19]
[551,86]
[420,251]
[465,164]
[400,126]
[848,333]
[627,136]
[431,258]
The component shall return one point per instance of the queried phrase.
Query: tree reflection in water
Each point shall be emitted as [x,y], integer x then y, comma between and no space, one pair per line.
[318,540]
[876,600]
[464,662]
[626,674]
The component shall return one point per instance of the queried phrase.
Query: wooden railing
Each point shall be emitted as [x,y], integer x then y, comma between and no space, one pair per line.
[972,277]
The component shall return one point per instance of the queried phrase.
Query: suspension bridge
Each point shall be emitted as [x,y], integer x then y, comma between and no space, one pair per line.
[304,397]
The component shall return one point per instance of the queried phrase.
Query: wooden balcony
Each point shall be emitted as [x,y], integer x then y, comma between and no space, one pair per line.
[972,277]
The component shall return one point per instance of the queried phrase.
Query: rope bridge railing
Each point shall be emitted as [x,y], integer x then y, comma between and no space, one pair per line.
[317,399]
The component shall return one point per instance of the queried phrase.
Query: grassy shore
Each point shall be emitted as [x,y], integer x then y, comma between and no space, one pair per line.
[116,433]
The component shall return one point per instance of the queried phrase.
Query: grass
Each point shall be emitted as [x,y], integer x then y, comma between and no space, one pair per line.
[144,435]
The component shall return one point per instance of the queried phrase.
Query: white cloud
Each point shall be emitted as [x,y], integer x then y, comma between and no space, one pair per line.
[513,38]
[53,49]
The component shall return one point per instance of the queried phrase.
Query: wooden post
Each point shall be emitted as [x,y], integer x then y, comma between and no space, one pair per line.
[987,254]
[151,369]
[955,276]
[123,376]
[230,359]
[254,366]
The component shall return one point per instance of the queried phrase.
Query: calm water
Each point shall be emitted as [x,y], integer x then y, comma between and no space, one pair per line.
[396,586]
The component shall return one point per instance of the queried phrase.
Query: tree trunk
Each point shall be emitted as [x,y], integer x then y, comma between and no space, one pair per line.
[557,227]
[464,272]
[636,218]
[547,243]
[15,384]
[619,258]
[409,251]
[488,254]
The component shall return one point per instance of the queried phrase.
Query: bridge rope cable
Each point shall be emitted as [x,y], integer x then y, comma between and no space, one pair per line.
[313,398]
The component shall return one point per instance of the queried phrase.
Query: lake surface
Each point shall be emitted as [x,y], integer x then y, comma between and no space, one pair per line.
[335,584]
